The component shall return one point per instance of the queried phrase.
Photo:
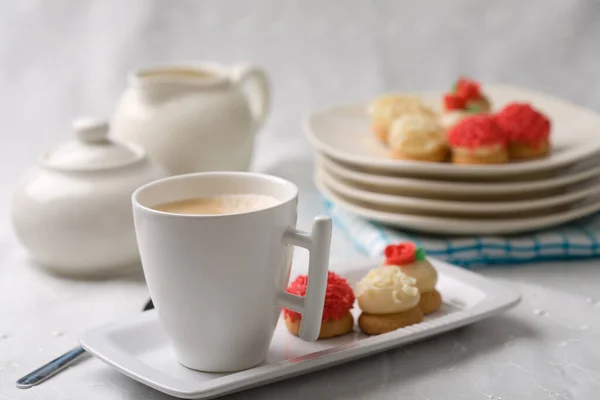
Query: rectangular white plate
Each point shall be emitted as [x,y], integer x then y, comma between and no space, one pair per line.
[140,349]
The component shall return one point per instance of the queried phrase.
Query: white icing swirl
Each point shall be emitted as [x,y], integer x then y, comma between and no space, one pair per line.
[387,290]
[387,108]
[416,134]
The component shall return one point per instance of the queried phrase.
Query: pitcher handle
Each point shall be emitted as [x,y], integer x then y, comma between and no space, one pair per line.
[317,242]
[259,93]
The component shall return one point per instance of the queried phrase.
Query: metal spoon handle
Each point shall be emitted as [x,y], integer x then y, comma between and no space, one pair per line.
[53,367]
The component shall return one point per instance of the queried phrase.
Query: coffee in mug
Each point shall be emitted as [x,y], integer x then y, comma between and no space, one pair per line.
[214,205]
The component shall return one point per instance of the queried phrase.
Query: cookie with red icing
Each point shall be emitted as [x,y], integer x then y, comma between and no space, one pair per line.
[466,99]
[339,300]
[478,139]
[528,131]
[471,97]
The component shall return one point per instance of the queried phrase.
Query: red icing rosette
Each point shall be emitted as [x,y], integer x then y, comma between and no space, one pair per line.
[465,91]
[339,298]
[454,102]
[400,254]
[523,124]
[468,89]
[477,131]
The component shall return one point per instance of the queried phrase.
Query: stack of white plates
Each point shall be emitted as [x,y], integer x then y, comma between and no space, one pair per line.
[355,171]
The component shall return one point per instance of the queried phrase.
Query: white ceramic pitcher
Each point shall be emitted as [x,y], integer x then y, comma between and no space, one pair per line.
[194,118]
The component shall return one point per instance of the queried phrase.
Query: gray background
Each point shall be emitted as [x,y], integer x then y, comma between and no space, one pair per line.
[61,59]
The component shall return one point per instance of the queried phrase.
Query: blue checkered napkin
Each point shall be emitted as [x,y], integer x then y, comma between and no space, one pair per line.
[576,240]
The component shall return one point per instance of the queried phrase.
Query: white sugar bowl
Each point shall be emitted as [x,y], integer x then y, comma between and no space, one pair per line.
[73,212]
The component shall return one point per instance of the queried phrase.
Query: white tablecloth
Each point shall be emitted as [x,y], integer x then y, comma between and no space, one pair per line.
[63,59]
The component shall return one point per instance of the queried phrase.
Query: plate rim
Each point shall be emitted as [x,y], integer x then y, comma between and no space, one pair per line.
[475,207]
[393,218]
[449,187]
[498,299]
[448,169]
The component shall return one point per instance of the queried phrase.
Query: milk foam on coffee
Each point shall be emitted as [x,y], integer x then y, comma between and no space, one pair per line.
[214,205]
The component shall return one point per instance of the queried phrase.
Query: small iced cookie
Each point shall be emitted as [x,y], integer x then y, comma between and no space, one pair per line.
[528,131]
[414,263]
[478,140]
[339,300]
[465,100]
[418,137]
[389,300]
[385,109]
[467,96]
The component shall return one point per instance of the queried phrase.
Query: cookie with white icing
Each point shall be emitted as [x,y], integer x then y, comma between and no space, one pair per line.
[412,261]
[418,137]
[385,109]
[389,300]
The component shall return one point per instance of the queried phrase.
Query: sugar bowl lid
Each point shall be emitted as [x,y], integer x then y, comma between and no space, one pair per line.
[92,149]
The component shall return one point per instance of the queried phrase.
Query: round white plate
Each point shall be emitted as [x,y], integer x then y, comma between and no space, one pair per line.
[462,226]
[452,189]
[453,207]
[343,133]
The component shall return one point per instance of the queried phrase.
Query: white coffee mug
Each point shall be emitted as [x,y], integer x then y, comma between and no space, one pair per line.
[218,281]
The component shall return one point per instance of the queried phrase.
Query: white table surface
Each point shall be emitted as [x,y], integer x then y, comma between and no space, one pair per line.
[61,59]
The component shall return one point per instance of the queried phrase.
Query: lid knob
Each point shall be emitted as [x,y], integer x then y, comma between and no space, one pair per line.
[92,150]
[91,130]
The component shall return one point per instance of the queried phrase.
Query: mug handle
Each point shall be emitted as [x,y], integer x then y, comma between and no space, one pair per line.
[318,243]
[259,94]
